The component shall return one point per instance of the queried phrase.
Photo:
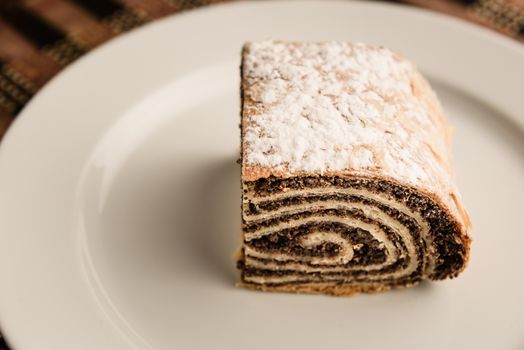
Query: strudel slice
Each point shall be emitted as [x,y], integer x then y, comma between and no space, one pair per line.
[346,172]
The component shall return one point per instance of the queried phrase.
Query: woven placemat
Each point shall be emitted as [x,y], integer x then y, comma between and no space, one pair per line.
[38,38]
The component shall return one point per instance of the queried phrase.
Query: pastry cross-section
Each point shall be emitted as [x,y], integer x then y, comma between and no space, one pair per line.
[347,181]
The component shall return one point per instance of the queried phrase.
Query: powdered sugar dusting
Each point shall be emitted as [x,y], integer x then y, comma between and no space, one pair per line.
[334,106]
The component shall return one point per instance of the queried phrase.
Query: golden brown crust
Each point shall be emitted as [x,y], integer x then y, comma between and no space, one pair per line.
[339,290]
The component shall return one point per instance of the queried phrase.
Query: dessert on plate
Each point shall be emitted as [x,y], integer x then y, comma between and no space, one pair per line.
[347,181]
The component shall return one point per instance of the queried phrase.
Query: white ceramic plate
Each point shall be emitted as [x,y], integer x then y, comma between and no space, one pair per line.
[119,193]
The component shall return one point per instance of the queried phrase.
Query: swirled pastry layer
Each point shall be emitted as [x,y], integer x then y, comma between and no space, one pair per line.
[346,173]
